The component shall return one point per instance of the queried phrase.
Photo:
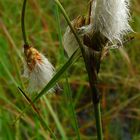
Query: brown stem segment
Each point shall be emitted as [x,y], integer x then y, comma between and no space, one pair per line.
[29,100]
[93,66]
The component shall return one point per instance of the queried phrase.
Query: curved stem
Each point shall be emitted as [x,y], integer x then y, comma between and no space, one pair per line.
[69,23]
[88,62]
[23,23]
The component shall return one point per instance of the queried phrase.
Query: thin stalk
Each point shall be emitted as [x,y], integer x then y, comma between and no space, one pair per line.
[62,56]
[8,73]
[98,121]
[67,89]
[97,112]
[69,23]
[23,23]
[42,121]
[93,77]
[95,94]
[56,119]
[46,127]
[71,106]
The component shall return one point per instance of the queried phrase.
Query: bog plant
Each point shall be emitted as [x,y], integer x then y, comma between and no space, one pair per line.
[37,68]
[107,24]
[90,37]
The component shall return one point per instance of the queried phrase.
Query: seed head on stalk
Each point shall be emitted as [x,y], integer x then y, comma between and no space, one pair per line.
[37,69]
[109,19]
[94,38]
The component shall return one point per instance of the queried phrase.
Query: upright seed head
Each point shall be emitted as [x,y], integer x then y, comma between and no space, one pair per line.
[111,18]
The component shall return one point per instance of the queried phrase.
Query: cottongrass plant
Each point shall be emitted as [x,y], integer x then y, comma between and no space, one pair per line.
[108,24]
[109,18]
[37,68]
[91,38]
[39,72]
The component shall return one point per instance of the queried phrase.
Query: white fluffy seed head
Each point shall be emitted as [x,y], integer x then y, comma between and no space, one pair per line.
[111,18]
[37,69]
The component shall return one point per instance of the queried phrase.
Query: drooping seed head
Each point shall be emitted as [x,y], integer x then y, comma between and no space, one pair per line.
[37,69]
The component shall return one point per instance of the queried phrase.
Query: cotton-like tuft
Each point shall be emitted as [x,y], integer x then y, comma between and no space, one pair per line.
[108,17]
[111,18]
[69,42]
[37,69]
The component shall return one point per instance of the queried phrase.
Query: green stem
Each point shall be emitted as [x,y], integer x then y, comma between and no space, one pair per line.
[42,121]
[62,56]
[23,23]
[72,111]
[46,127]
[92,84]
[67,86]
[98,121]
[69,23]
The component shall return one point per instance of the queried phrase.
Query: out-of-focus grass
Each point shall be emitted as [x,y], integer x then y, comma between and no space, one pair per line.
[119,78]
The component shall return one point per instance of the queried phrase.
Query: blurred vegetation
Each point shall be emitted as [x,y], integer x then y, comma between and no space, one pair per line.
[119,78]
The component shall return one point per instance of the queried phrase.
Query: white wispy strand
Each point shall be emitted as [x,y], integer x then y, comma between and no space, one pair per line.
[41,74]
[69,42]
[111,18]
